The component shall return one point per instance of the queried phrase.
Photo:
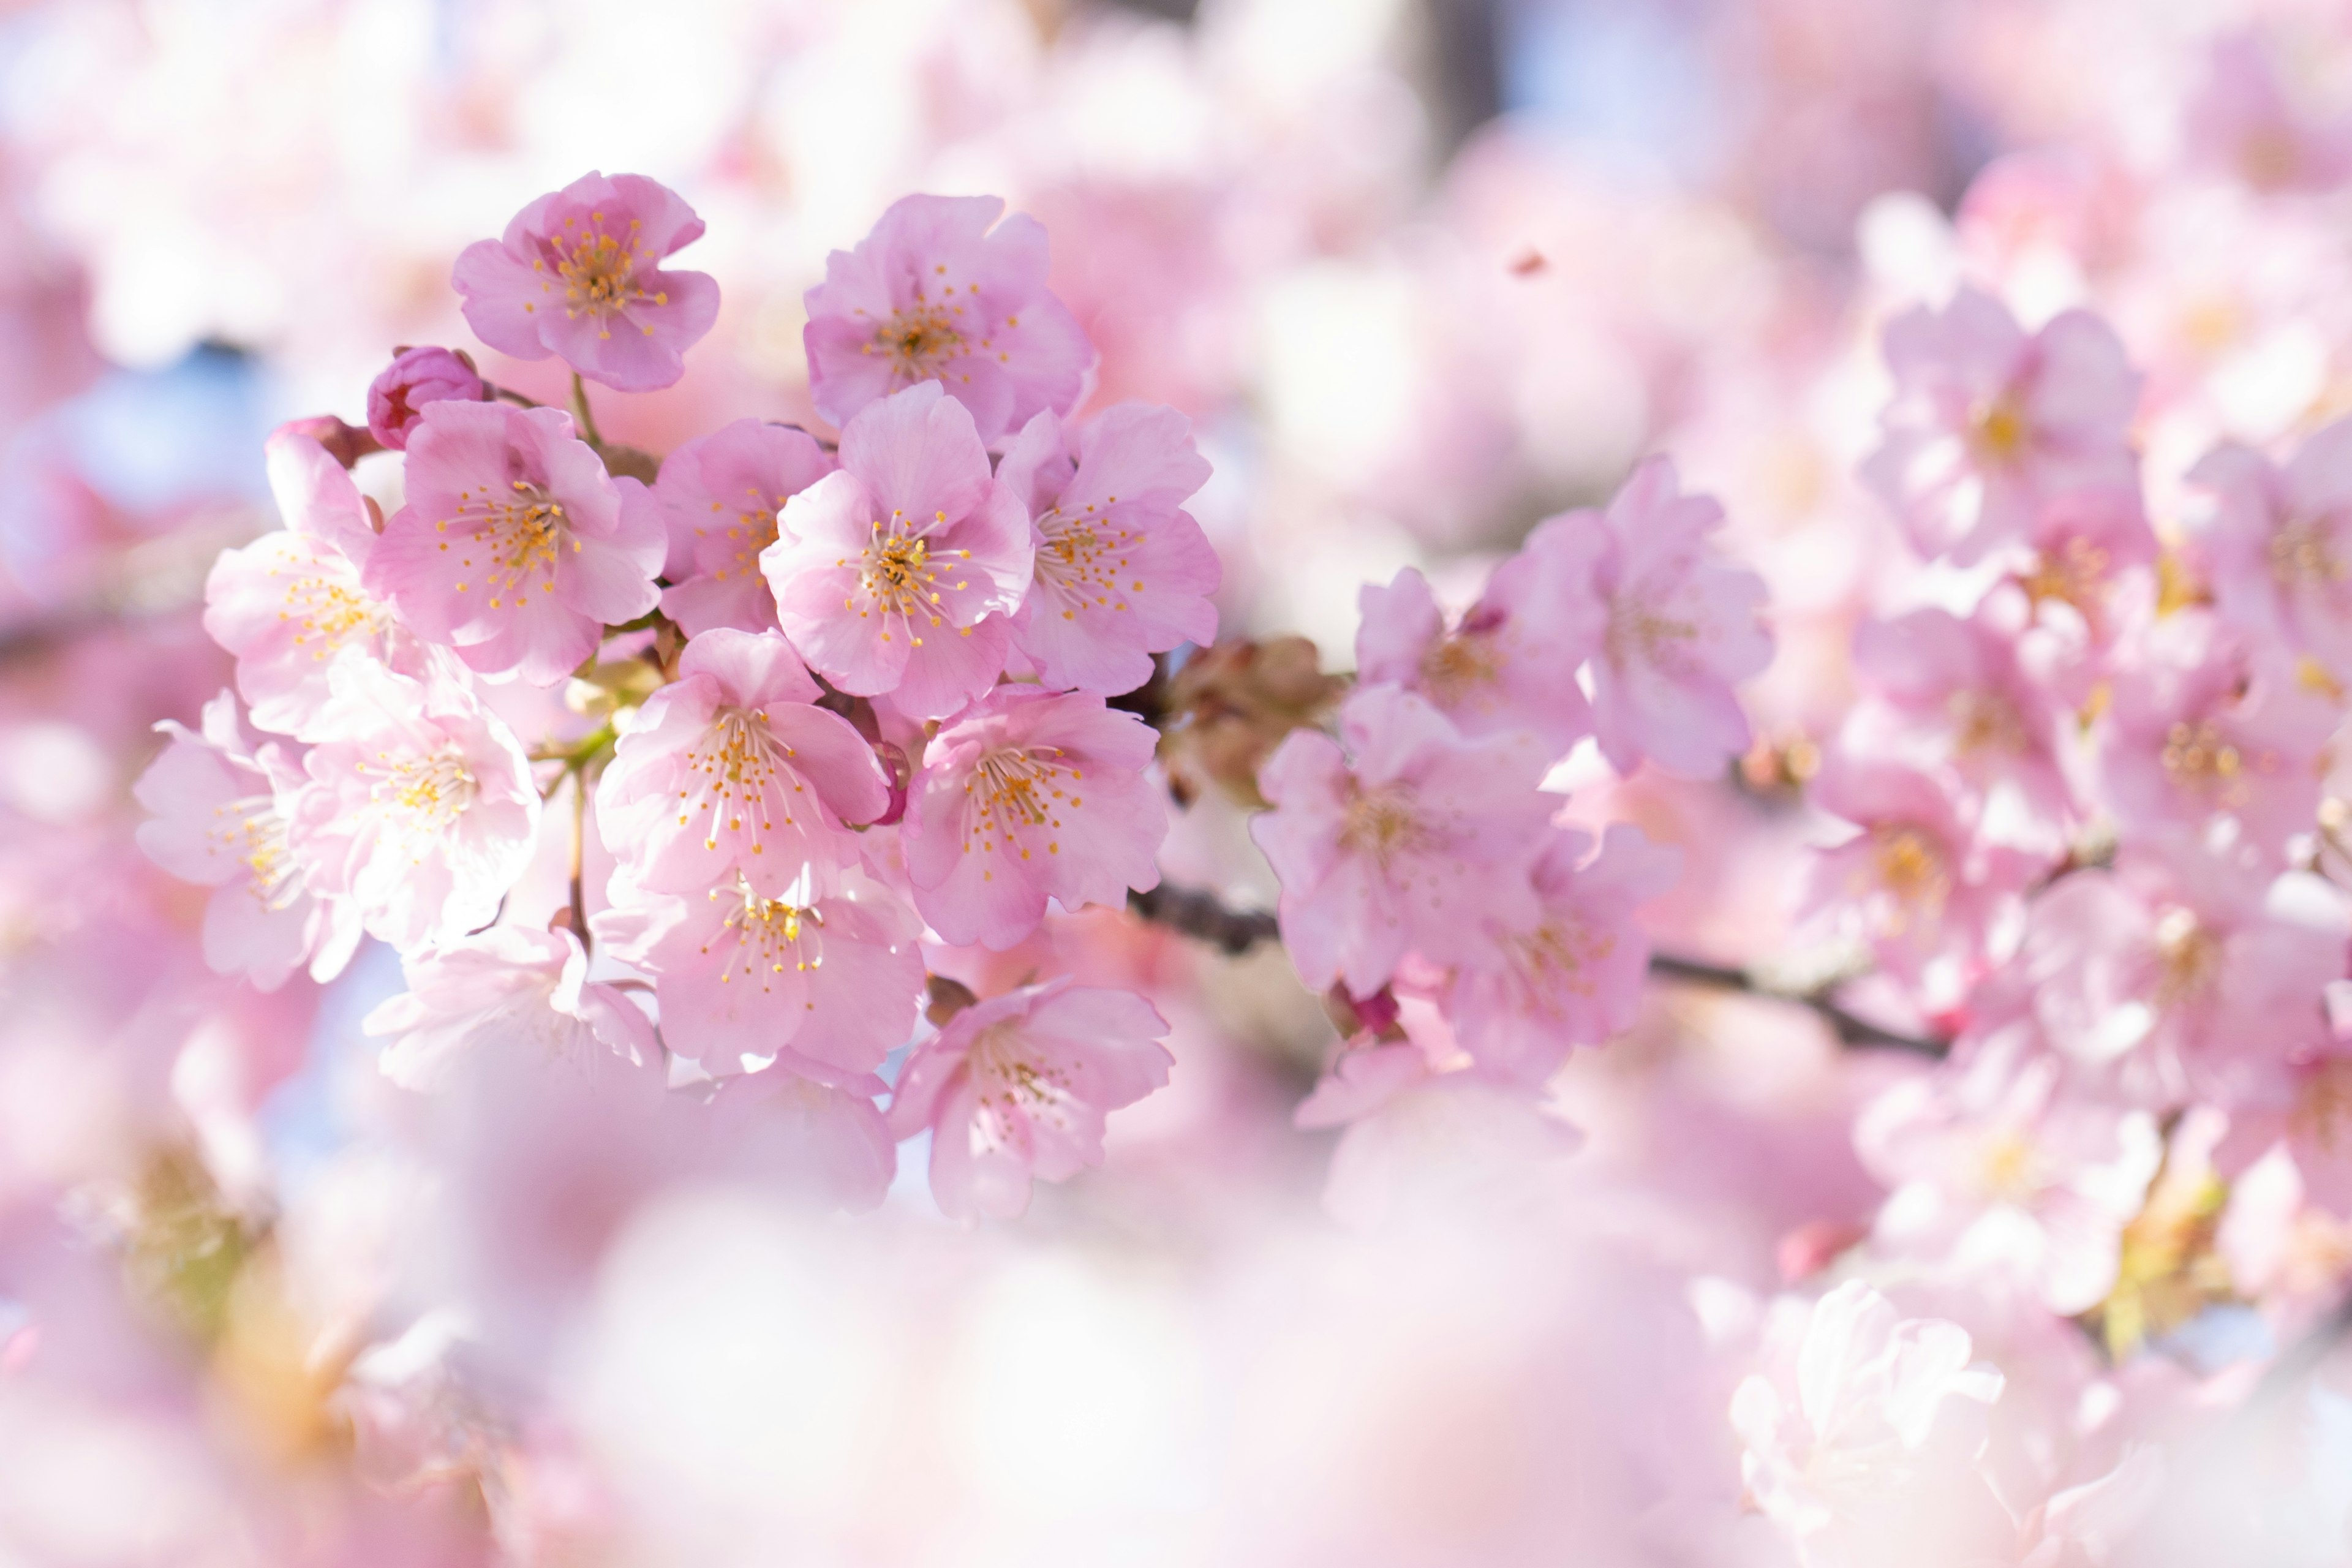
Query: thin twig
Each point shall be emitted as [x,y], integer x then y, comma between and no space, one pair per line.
[579,837]
[584,413]
[1202,916]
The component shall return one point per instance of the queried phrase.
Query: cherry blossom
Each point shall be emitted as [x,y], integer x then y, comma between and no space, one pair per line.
[221,806]
[1677,625]
[1122,570]
[578,275]
[1990,425]
[1574,976]
[1029,796]
[1015,1089]
[827,985]
[288,603]
[897,573]
[721,493]
[1400,835]
[2276,544]
[420,808]
[731,771]
[505,989]
[515,546]
[414,378]
[936,294]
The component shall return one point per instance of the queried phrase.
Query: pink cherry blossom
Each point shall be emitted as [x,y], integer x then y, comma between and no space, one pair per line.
[506,989]
[828,986]
[1015,1089]
[288,602]
[578,274]
[2245,120]
[420,808]
[1989,424]
[1123,572]
[2276,545]
[1912,881]
[1862,1441]
[897,573]
[1029,796]
[2185,972]
[1954,699]
[934,294]
[730,770]
[721,494]
[516,547]
[1998,1174]
[414,378]
[220,808]
[1401,837]
[1573,978]
[1677,625]
[1511,661]
[2196,730]
[2306,1111]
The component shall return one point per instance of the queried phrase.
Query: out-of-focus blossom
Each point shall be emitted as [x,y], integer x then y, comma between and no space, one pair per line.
[2277,545]
[721,494]
[1510,662]
[505,989]
[2000,1176]
[1990,425]
[288,603]
[2245,120]
[732,769]
[1862,1444]
[515,546]
[897,573]
[578,274]
[420,808]
[416,377]
[221,806]
[1122,572]
[1029,796]
[936,294]
[1015,1089]
[826,984]
[1678,624]
[1574,978]
[1400,836]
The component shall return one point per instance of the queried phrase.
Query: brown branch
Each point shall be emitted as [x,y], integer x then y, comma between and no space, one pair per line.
[1202,916]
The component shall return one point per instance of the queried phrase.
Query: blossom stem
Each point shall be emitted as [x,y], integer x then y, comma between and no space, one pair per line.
[584,413]
[578,839]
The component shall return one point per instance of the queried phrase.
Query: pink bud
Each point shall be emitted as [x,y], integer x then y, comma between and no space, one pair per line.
[419,376]
[901,771]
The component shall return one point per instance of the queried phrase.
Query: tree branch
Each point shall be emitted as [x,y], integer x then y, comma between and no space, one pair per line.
[1202,916]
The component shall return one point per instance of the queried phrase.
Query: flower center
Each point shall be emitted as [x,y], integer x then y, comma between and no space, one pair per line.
[901,576]
[1013,1083]
[1641,631]
[2199,757]
[1017,791]
[2299,554]
[734,770]
[328,612]
[1460,664]
[918,341]
[1558,956]
[1984,721]
[770,935]
[255,832]
[432,788]
[598,271]
[2189,958]
[2001,429]
[523,535]
[2324,1109]
[1083,558]
[1382,823]
[1910,866]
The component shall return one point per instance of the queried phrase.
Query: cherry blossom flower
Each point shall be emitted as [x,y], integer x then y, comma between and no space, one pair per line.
[288,602]
[897,574]
[505,989]
[1997,1174]
[2188,970]
[1122,570]
[2276,545]
[2196,731]
[935,294]
[2306,1111]
[414,378]
[731,771]
[1029,796]
[1015,1089]
[721,494]
[827,985]
[1677,625]
[1912,881]
[515,547]
[420,808]
[1574,977]
[1989,424]
[220,808]
[578,274]
[2244,119]
[1402,835]
[1954,699]
[1861,1442]
[1509,663]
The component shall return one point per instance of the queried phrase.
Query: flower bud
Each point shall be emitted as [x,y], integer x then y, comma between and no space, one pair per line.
[418,376]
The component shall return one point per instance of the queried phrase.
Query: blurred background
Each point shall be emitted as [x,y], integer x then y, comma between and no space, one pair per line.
[1420,272]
